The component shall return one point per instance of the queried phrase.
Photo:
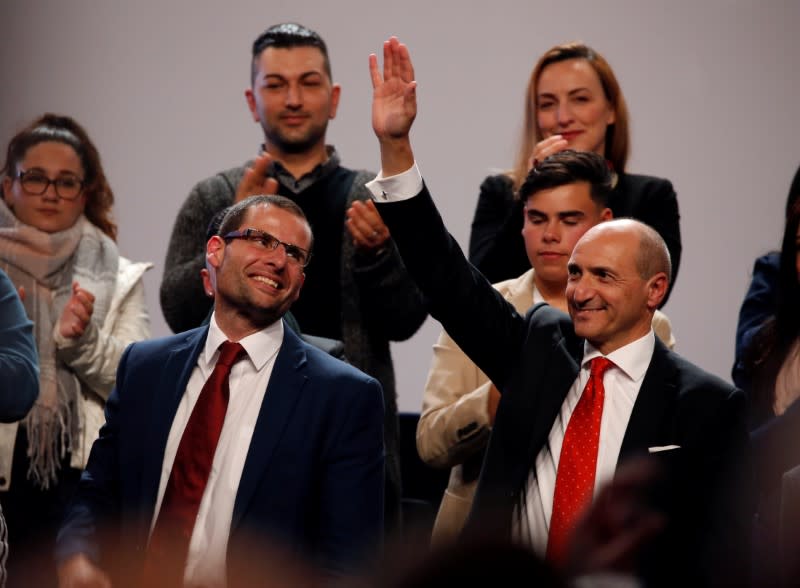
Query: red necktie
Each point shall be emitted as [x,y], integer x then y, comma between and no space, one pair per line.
[169,542]
[578,462]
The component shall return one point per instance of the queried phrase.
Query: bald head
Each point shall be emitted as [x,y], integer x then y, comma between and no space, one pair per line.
[650,250]
[618,275]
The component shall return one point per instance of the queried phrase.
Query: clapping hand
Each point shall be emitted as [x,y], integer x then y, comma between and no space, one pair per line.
[255,181]
[366,226]
[77,313]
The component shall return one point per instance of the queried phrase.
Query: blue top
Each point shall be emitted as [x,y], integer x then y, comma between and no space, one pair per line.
[19,361]
[760,303]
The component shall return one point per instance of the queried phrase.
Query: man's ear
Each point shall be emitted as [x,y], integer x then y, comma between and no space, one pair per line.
[251,104]
[215,251]
[336,92]
[656,290]
[606,215]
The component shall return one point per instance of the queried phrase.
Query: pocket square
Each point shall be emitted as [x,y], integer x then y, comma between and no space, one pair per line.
[661,448]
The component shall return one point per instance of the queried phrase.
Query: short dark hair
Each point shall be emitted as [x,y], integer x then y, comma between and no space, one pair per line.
[570,167]
[285,36]
[235,214]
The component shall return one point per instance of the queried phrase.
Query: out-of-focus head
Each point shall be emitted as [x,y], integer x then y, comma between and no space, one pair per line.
[619,273]
[565,195]
[790,252]
[259,257]
[292,94]
[573,91]
[52,173]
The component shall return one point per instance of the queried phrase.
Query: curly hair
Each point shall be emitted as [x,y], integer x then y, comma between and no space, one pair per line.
[64,129]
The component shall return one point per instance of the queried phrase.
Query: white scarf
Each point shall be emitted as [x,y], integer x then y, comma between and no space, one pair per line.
[46,264]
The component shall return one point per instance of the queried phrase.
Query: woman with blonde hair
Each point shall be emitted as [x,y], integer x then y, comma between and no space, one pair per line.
[86,301]
[573,101]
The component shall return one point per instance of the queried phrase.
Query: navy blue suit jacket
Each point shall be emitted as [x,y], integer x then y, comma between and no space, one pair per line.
[312,479]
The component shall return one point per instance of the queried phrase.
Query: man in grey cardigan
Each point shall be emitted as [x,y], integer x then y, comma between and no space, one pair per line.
[356,289]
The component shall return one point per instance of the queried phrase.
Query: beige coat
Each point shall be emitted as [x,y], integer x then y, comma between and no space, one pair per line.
[454,426]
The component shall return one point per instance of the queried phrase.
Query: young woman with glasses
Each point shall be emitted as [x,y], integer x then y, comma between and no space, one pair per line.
[57,244]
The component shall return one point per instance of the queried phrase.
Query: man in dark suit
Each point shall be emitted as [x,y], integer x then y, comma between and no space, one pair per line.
[299,461]
[652,401]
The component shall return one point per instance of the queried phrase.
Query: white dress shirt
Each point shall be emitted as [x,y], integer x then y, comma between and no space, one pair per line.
[621,382]
[206,561]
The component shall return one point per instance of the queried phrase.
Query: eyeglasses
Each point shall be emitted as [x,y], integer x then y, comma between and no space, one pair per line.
[35,183]
[294,253]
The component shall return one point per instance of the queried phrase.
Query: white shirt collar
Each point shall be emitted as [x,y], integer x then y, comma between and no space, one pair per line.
[260,346]
[632,359]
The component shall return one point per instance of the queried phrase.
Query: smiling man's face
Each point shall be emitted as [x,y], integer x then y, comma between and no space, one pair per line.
[256,282]
[610,303]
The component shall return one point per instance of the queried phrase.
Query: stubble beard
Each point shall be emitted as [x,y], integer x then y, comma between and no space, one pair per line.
[297,144]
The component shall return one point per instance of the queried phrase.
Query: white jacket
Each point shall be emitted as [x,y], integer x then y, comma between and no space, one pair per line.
[94,358]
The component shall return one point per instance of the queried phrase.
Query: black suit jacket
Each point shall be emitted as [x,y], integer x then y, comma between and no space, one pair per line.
[534,360]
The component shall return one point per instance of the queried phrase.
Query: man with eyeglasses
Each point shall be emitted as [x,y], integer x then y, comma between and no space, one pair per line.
[298,456]
[357,289]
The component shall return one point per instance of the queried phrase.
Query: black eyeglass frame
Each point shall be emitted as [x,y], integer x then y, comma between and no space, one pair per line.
[270,242]
[23,175]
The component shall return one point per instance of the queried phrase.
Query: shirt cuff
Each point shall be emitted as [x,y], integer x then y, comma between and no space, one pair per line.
[398,187]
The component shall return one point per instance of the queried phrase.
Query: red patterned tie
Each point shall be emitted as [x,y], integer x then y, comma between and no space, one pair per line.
[169,542]
[578,462]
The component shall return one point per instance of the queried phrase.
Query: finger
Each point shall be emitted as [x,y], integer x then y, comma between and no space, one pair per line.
[373,71]
[21,293]
[85,300]
[359,239]
[271,186]
[262,164]
[80,312]
[405,66]
[85,295]
[388,62]
[375,220]
[360,225]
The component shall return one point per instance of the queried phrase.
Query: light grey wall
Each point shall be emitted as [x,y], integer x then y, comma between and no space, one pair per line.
[712,87]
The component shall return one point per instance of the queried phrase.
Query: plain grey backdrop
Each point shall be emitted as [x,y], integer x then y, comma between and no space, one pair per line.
[712,88]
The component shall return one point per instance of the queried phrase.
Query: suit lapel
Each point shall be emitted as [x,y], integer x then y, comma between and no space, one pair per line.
[553,377]
[285,387]
[168,391]
[654,408]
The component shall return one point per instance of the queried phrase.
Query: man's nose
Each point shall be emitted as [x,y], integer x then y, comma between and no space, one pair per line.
[294,95]
[551,233]
[277,257]
[582,291]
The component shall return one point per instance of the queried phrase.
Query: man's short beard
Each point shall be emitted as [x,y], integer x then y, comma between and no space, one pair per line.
[295,146]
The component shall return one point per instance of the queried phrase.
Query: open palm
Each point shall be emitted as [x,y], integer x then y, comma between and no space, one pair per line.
[394,101]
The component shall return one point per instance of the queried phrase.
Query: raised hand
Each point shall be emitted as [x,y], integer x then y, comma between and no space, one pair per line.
[394,106]
[77,313]
[394,100]
[255,180]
